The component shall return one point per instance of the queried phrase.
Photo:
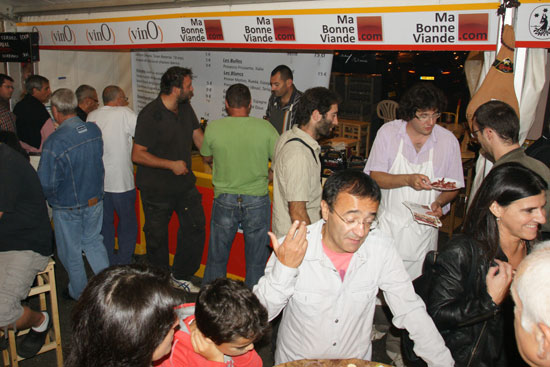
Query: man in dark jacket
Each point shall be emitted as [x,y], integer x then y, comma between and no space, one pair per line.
[25,247]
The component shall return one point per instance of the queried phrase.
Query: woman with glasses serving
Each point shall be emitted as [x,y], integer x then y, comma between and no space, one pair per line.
[409,154]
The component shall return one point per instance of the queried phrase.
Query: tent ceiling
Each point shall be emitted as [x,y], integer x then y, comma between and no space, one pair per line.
[14,9]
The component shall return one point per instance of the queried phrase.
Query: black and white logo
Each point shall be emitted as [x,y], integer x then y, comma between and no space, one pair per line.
[538,23]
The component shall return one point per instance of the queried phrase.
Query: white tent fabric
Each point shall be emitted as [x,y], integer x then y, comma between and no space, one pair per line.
[69,69]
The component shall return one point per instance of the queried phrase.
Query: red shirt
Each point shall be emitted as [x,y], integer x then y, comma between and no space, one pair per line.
[183,355]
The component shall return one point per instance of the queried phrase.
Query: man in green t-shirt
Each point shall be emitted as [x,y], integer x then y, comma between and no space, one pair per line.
[240,148]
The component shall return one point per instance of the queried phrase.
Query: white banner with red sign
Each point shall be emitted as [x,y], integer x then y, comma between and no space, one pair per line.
[422,27]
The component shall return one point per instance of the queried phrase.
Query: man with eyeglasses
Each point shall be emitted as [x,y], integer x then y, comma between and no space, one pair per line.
[495,126]
[407,155]
[118,124]
[87,101]
[325,279]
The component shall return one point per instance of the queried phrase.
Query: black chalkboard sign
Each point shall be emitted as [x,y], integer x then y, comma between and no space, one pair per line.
[19,47]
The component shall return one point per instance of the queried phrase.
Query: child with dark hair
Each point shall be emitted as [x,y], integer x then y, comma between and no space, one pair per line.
[220,329]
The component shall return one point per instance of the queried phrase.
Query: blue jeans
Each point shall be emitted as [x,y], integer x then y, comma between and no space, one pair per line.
[78,230]
[123,203]
[253,213]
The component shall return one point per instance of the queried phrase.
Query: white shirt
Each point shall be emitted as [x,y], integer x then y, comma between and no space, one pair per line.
[117,125]
[325,317]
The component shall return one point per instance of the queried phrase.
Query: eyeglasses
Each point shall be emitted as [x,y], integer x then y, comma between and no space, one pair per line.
[367,223]
[425,116]
[473,134]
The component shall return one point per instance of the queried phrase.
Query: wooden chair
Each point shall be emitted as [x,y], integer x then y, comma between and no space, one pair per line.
[45,283]
[387,110]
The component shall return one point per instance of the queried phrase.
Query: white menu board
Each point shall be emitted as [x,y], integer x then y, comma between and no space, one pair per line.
[215,71]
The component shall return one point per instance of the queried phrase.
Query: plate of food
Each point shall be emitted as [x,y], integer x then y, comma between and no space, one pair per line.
[420,214]
[444,184]
[332,363]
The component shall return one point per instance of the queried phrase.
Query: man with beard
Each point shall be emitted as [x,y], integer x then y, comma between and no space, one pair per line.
[496,128]
[282,105]
[296,164]
[165,131]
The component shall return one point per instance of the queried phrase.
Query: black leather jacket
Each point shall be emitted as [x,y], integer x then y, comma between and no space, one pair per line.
[467,318]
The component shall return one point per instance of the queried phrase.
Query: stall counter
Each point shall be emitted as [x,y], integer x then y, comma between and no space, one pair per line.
[236,266]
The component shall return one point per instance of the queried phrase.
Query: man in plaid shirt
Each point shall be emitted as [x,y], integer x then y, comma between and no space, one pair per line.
[7,118]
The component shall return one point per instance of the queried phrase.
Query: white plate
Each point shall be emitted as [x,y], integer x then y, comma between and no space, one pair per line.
[447,180]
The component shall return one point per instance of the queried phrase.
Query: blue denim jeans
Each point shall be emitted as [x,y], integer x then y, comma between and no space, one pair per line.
[124,204]
[78,230]
[253,213]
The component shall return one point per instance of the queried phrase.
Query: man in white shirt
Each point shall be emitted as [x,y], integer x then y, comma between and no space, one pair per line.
[326,285]
[531,293]
[117,123]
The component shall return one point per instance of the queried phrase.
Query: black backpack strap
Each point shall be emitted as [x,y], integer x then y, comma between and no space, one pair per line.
[303,142]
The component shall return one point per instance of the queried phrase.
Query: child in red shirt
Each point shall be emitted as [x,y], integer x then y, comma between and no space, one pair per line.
[220,329]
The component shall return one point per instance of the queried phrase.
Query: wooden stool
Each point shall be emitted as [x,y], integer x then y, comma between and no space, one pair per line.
[45,283]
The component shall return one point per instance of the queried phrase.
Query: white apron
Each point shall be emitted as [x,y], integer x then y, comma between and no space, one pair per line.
[412,240]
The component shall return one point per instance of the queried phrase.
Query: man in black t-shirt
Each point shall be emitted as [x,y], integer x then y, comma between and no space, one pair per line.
[165,131]
[25,247]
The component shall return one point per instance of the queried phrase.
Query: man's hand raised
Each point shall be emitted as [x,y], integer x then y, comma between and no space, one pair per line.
[293,249]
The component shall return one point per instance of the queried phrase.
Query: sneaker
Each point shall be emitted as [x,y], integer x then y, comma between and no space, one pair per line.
[377,334]
[184,285]
[397,359]
[32,342]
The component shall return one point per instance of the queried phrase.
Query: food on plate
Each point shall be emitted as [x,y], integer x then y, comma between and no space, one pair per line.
[427,219]
[444,185]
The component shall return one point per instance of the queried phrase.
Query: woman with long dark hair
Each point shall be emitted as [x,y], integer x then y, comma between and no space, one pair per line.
[468,298]
[124,317]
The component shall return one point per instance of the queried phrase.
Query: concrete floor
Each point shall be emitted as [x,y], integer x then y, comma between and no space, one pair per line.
[65,308]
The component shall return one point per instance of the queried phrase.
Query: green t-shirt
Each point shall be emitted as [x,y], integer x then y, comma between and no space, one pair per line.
[241,148]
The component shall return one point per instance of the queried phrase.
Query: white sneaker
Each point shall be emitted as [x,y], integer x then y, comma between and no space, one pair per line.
[377,334]
[184,285]
[397,359]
